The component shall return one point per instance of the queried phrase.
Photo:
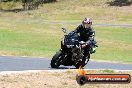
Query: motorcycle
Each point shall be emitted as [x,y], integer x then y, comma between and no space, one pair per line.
[71,52]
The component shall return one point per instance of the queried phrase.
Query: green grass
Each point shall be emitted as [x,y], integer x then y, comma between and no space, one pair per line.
[28,43]
[114,44]
[31,33]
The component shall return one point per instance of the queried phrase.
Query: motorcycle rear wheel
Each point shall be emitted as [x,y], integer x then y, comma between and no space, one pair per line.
[82,63]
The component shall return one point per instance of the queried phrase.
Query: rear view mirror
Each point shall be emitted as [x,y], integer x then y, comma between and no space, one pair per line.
[64,30]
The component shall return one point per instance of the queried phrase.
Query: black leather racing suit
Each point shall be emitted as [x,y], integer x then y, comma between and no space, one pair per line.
[86,35]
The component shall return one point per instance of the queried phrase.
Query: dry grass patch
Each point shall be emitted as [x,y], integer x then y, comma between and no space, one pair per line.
[53,79]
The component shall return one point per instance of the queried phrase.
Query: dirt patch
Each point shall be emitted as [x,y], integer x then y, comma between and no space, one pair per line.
[52,79]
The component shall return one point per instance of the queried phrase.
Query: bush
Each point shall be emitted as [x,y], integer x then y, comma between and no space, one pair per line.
[7,5]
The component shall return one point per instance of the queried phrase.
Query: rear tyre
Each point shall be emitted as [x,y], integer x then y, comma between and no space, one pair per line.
[86,59]
[78,65]
[55,60]
[83,62]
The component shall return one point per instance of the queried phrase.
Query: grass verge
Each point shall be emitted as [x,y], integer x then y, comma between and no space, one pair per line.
[44,40]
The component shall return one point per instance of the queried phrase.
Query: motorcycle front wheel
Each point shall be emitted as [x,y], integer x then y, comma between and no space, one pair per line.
[55,60]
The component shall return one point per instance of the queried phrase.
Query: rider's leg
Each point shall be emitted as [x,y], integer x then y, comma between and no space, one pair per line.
[86,55]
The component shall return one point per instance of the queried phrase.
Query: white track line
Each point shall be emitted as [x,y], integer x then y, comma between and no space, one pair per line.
[56,70]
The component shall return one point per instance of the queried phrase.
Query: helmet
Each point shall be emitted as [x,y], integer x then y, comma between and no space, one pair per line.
[87,21]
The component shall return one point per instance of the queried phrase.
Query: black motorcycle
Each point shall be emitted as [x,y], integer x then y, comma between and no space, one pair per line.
[71,52]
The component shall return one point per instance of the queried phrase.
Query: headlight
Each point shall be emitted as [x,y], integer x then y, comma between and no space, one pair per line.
[73,40]
[69,46]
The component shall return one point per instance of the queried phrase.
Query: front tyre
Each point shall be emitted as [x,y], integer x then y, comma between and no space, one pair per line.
[55,60]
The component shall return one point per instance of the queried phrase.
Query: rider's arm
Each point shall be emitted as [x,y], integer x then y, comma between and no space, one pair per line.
[91,34]
[91,40]
[91,37]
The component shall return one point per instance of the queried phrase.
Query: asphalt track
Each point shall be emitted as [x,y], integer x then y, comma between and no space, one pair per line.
[11,63]
[77,23]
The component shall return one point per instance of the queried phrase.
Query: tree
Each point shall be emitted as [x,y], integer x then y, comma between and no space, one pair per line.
[33,4]
[120,2]
[29,4]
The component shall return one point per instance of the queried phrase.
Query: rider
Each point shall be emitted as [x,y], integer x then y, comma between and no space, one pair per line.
[86,34]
